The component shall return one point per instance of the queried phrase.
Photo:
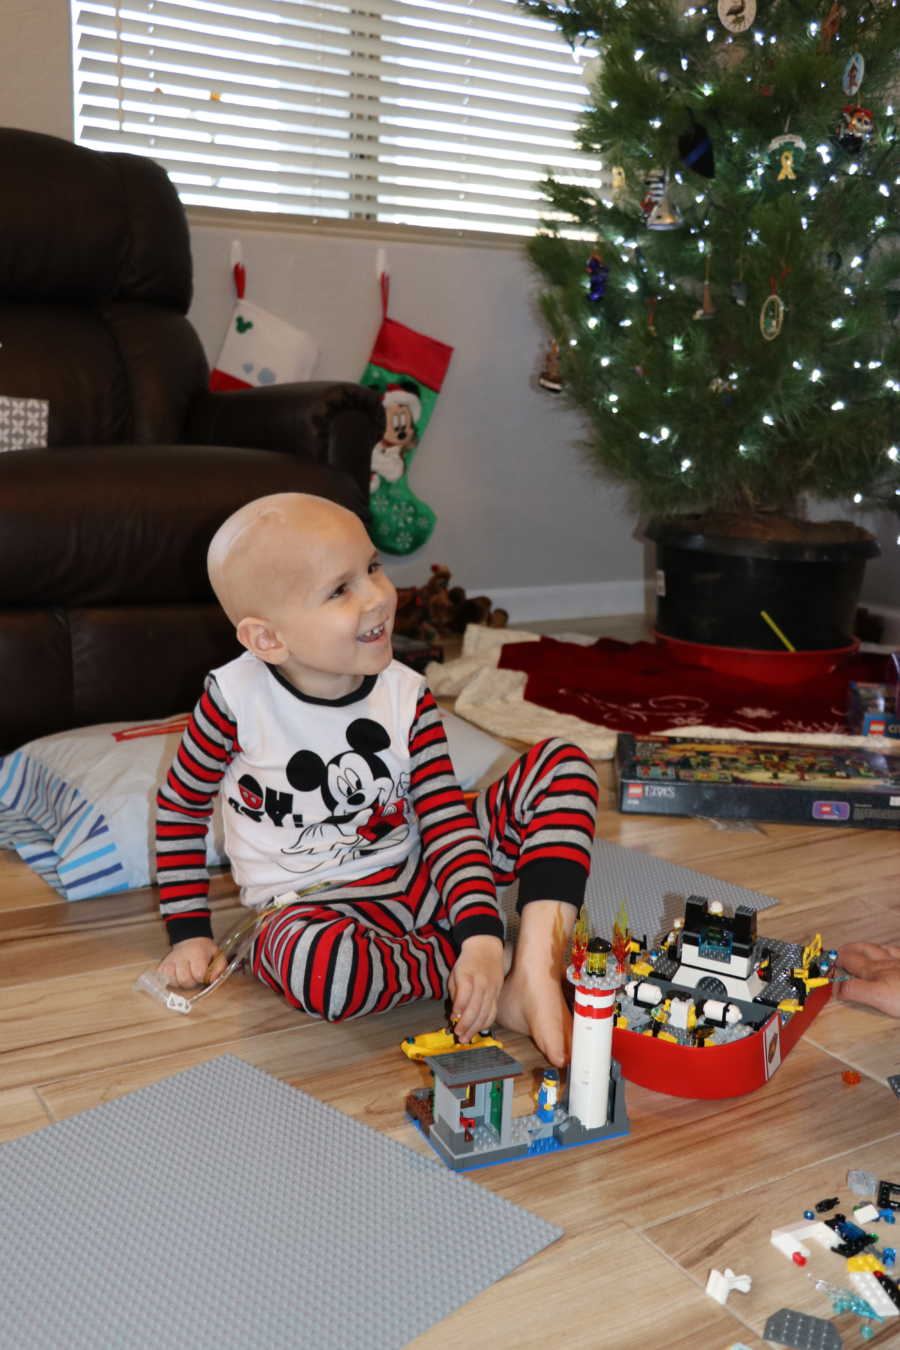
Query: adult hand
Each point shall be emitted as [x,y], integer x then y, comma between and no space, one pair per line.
[874,971]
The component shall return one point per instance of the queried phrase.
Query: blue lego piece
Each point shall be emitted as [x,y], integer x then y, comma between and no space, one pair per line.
[889,1257]
[887,1216]
[545,1145]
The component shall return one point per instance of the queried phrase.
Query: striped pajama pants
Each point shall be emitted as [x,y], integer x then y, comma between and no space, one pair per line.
[385,939]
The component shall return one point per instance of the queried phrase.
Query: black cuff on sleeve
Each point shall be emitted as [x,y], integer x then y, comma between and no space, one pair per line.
[191,926]
[552,879]
[489,924]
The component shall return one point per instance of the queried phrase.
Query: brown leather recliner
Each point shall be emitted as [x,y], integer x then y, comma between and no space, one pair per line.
[105,608]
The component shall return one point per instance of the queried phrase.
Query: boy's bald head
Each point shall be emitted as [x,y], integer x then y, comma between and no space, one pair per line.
[256,555]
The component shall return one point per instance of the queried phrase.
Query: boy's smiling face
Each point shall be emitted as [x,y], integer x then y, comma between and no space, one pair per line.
[335,622]
[310,592]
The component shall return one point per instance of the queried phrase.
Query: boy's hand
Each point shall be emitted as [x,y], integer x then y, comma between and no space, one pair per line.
[876,972]
[191,962]
[475,983]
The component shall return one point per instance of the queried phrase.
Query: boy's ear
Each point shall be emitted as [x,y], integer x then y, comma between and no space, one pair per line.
[260,638]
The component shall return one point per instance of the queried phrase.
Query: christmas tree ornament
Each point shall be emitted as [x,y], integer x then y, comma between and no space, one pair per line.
[664,216]
[736,15]
[660,213]
[617,175]
[707,309]
[654,189]
[855,128]
[739,287]
[597,273]
[550,376]
[259,348]
[696,150]
[771,316]
[407,369]
[853,74]
[830,26]
[786,154]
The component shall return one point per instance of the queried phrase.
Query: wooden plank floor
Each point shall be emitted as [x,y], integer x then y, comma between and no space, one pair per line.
[695,1185]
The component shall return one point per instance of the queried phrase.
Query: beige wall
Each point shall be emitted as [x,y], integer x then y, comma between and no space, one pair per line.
[36,65]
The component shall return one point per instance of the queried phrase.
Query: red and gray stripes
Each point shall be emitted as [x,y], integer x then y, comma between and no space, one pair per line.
[452,844]
[376,943]
[539,821]
[184,807]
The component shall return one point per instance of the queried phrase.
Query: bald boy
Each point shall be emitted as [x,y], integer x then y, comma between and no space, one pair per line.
[333,768]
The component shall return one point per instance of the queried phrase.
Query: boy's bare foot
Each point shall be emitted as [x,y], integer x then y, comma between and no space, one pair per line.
[532,999]
[537,1008]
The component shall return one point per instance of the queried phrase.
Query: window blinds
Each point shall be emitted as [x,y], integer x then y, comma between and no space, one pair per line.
[418,112]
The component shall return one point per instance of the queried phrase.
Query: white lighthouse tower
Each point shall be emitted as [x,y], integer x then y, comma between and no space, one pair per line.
[589,1071]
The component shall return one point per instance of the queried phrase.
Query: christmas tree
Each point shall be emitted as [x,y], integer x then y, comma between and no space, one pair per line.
[725,300]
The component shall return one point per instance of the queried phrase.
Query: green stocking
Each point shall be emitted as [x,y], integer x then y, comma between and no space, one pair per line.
[407,368]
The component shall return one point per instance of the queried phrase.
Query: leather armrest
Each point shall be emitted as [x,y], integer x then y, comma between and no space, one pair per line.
[330,423]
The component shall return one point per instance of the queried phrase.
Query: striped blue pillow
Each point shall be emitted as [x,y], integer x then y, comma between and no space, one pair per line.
[78,807]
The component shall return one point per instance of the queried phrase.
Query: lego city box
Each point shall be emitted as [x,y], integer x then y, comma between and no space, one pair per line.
[796,784]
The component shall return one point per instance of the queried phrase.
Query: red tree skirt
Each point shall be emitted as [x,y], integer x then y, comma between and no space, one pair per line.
[635,687]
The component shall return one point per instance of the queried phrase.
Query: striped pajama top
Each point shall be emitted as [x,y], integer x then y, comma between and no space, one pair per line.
[316,790]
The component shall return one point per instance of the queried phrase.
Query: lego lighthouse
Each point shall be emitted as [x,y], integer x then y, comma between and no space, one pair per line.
[596,1100]
[590,1084]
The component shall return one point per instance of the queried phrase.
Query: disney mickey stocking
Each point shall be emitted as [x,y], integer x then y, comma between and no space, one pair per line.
[407,369]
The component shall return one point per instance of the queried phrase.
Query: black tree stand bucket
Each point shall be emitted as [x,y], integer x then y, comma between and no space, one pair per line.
[714,593]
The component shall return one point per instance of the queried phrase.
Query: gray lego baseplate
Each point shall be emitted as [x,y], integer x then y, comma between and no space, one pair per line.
[788,1327]
[228,1209]
[652,890]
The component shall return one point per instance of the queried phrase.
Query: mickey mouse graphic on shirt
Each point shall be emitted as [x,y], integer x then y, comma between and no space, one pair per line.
[367,807]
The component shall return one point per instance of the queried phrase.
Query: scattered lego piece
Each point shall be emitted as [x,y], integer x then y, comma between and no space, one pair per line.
[869,1287]
[887,1216]
[893,1083]
[721,1282]
[888,1195]
[785,1241]
[808,1214]
[844,1300]
[792,1237]
[852,1077]
[890,1287]
[853,1239]
[830,1202]
[865,1213]
[889,1257]
[862,1183]
[797,1329]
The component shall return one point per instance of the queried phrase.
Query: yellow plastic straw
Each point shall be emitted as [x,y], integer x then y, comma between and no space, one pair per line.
[777,631]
